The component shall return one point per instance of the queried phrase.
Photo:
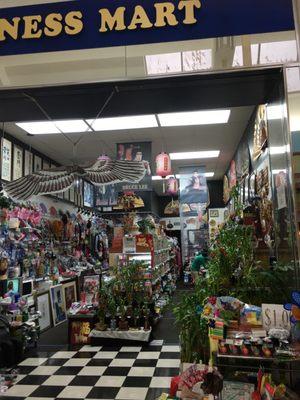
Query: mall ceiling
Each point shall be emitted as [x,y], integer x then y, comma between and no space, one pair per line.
[240,92]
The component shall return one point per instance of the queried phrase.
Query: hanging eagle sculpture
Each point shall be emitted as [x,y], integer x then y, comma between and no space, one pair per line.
[60,179]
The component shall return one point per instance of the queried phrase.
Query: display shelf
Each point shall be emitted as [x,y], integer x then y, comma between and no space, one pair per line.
[247,358]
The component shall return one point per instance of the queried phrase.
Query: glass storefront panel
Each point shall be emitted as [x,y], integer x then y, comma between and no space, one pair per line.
[140,61]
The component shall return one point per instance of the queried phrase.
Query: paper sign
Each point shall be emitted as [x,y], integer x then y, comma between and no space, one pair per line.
[275,316]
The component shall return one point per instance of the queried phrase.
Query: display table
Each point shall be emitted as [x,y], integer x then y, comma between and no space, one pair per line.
[100,337]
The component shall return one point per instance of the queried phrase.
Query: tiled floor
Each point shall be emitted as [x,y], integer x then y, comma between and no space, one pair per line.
[114,372]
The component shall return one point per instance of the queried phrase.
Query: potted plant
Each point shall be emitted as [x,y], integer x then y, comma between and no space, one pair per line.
[123,323]
[112,309]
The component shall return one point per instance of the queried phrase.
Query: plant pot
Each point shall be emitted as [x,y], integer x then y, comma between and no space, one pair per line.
[123,324]
[101,326]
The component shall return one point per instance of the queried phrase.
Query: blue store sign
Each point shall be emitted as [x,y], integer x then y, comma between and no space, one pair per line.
[84,24]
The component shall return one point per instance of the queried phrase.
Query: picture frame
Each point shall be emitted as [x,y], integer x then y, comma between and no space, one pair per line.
[6,151]
[44,307]
[28,163]
[46,164]
[37,166]
[17,162]
[91,285]
[70,293]
[58,305]
[88,195]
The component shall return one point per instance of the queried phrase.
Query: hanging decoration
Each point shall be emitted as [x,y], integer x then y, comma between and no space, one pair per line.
[163,166]
[172,186]
[60,179]
[172,208]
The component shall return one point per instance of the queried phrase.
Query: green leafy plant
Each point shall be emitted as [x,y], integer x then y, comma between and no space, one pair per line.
[232,270]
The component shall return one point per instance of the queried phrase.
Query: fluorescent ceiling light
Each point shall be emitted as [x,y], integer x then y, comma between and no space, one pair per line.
[193,155]
[194,118]
[159,178]
[119,123]
[39,128]
[72,126]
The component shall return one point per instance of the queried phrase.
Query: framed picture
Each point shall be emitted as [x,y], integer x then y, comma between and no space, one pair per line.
[28,164]
[6,160]
[72,194]
[88,195]
[70,294]
[18,162]
[37,164]
[43,306]
[46,164]
[91,286]
[58,305]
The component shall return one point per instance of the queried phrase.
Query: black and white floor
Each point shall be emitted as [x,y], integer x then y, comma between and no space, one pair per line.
[114,372]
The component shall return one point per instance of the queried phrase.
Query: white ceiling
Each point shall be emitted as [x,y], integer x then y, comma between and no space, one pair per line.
[223,137]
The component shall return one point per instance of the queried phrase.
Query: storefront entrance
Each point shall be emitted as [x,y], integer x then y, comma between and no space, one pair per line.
[226,137]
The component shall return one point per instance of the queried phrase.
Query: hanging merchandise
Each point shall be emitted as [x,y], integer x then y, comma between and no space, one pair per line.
[129,201]
[172,186]
[163,166]
[172,208]
[60,179]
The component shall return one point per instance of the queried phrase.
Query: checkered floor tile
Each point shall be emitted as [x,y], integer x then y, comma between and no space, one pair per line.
[114,372]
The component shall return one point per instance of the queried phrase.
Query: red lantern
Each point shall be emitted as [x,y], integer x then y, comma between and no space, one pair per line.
[172,186]
[163,165]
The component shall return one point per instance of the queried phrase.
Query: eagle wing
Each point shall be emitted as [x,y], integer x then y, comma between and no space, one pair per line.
[60,179]
[43,182]
[114,171]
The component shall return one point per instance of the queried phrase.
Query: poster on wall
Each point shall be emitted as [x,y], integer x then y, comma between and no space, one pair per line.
[242,160]
[137,151]
[58,305]
[28,164]
[193,188]
[260,133]
[46,164]
[6,160]
[106,195]
[194,198]
[88,194]
[18,162]
[37,164]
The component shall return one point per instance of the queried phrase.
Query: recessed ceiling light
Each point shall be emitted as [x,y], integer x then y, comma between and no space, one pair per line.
[119,123]
[72,126]
[194,118]
[193,155]
[159,178]
[38,128]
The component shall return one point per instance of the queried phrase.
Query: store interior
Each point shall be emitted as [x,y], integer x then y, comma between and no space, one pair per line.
[112,193]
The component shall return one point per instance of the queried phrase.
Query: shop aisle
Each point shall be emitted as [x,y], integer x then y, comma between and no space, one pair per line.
[56,371]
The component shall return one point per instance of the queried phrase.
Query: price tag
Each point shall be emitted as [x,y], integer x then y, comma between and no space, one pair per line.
[275,316]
